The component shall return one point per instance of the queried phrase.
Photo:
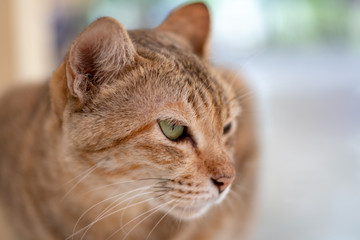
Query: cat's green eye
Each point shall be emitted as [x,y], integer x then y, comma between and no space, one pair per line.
[171,130]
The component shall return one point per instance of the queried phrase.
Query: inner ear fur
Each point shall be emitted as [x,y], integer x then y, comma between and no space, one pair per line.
[192,22]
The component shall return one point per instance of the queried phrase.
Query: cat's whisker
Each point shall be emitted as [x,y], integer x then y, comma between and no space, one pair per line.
[112,213]
[158,196]
[241,98]
[87,171]
[117,203]
[78,182]
[235,194]
[179,223]
[243,101]
[234,78]
[105,200]
[183,210]
[118,196]
[182,215]
[87,228]
[112,206]
[164,187]
[228,203]
[151,211]
[111,184]
[164,190]
[241,188]
[157,178]
[190,205]
[161,220]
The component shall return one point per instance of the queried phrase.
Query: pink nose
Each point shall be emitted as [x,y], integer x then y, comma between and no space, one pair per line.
[222,183]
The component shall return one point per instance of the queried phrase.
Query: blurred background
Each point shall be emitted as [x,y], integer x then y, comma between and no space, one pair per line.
[302,61]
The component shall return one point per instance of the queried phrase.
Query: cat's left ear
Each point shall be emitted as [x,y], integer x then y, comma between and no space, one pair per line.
[192,23]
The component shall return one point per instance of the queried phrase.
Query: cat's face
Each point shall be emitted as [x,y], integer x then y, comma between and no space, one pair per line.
[160,127]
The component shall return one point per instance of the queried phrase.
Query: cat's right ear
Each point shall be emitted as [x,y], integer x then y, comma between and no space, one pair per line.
[101,52]
[192,23]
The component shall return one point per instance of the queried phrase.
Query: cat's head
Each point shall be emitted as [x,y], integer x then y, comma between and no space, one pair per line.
[146,114]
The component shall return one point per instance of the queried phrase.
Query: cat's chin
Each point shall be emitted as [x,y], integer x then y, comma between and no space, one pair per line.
[190,212]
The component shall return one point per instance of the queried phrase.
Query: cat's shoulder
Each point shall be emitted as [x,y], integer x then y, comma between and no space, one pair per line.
[21,101]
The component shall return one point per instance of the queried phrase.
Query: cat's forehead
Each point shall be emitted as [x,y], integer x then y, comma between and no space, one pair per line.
[173,74]
[170,56]
[150,43]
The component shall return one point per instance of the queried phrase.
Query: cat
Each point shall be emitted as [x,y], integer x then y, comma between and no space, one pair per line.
[135,136]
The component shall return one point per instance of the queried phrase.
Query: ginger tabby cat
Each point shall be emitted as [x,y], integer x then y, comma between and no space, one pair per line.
[135,136]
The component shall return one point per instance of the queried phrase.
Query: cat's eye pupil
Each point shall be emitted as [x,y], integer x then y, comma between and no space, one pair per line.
[227,128]
[171,130]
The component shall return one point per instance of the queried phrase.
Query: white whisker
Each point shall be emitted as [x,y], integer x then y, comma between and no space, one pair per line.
[153,210]
[114,204]
[92,168]
[237,195]
[160,220]
[105,200]
[78,182]
[109,185]
[127,181]
[112,213]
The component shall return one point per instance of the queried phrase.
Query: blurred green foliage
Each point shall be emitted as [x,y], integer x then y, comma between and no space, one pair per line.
[287,22]
[328,22]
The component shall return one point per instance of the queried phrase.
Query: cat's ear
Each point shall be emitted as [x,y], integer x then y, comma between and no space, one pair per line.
[102,51]
[192,22]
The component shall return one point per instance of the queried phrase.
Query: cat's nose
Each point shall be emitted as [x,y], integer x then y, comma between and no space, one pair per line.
[223,182]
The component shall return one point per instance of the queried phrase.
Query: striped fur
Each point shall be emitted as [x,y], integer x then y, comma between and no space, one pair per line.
[83,156]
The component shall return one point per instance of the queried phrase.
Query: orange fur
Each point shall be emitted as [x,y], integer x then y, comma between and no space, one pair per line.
[83,155]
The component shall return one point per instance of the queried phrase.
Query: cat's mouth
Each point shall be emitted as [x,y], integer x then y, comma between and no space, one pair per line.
[194,206]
